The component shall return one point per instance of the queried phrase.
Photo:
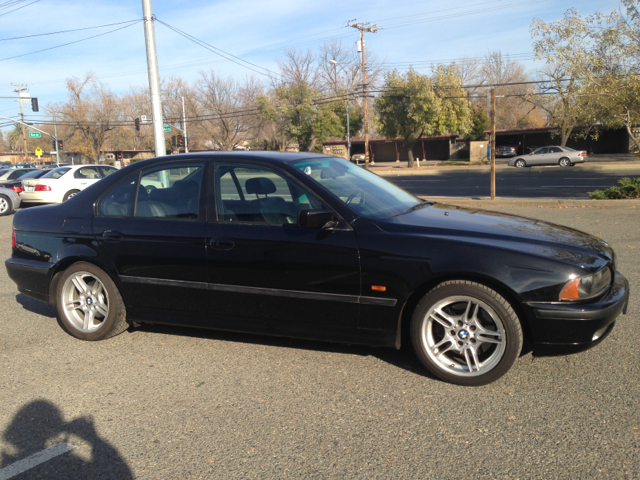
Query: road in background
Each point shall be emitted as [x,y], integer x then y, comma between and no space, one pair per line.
[537,182]
[169,402]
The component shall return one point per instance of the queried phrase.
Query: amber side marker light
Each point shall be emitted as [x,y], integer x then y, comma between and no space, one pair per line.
[570,290]
[378,288]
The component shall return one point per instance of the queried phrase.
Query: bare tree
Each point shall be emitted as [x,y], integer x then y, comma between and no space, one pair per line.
[512,108]
[93,110]
[298,68]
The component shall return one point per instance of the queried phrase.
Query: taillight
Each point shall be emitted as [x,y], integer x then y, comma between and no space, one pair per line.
[13,236]
[15,189]
[43,188]
[582,154]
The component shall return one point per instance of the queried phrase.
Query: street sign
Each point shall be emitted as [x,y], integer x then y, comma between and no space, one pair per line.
[38,152]
[167,128]
[34,134]
[143,118]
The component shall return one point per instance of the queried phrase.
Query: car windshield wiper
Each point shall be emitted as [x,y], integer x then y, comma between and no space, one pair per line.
[420,205]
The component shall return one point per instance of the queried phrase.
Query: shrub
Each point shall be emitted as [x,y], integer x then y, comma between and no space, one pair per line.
[630,188]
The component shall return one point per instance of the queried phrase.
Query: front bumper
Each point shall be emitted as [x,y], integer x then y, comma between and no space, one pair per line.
[560,328]
[31,277]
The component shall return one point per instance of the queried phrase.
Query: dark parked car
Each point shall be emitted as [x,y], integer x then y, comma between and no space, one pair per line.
[16,185]
[506,151]
[315,247]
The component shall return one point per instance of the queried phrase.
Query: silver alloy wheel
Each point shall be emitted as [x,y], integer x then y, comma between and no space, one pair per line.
[520,163]
[564,162]
[463,336]
[4,205]
[85,301]
[71,194]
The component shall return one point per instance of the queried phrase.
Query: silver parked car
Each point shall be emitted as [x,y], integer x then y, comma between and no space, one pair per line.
[563,156]
[9,201]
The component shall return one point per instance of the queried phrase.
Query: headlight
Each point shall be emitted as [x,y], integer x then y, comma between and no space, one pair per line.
[589,286]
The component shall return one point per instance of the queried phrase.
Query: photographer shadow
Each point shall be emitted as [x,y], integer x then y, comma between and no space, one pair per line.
[45,446]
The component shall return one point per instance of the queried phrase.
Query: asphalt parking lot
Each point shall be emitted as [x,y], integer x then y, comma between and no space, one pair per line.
[166,403]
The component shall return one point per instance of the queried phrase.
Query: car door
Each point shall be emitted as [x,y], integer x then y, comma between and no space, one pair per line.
[85,176]
[152,227]
[539,157]
[554,155]
[265,272]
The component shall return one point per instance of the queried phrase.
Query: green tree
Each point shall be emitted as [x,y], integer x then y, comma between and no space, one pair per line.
[298,117]
[415,105]
[602,54]
[479,123]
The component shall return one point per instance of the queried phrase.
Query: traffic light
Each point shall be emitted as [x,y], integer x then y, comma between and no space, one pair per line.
[34,104]
[137,122]
[173,140]
[54,143]
[180,141]
[60,145]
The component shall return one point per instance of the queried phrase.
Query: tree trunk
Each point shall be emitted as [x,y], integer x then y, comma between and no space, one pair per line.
[627,125]
[409,148]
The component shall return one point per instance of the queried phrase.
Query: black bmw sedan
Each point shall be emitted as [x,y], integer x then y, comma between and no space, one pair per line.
[315,247]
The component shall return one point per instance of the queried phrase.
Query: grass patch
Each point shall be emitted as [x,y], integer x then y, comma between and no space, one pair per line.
[464,161]
[629,188]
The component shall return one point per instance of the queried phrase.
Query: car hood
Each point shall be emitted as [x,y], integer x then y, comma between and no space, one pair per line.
[534,237]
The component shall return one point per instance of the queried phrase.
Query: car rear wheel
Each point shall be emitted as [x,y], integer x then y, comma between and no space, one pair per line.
[564,162]
[5,205]
[466,333]
[520,163]
[89,303]
[70,194]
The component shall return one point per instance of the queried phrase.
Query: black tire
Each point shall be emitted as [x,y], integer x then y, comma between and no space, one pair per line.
[564,162]
[70,194]
[490,339]
[520,163]
[6,205]
[107,326]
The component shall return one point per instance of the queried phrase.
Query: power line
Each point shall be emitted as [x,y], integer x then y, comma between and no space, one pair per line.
[71,43]
[219,51]
[66,31]
[19,8]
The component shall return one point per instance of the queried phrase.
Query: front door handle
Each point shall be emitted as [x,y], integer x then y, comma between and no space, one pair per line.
[222,243]
[111,236]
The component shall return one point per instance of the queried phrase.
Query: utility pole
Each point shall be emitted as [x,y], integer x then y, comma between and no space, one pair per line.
[371,29]
[184,129]
[335,69]
[493,144]
[154,78]
[24,133]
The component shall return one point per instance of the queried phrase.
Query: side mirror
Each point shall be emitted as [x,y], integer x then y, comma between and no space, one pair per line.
[314,219]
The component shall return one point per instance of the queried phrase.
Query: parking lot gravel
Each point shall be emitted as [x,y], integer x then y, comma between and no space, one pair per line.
[166,402]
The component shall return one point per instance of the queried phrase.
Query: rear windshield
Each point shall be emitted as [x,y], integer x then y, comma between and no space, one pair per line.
[569,148]
[35,174]
[56,172]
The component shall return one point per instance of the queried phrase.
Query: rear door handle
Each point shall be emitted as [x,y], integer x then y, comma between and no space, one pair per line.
[111,236]
[222,243]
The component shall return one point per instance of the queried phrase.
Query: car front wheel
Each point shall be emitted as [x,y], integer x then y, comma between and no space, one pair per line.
[520,163]
[564,162]
[89,303]
[5,205]
[466,333]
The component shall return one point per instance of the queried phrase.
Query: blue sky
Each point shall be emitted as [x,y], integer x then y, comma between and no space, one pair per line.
[256,30]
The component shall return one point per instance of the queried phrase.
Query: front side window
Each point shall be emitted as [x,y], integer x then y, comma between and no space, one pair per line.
[364,192]
[255,194]
[170,192]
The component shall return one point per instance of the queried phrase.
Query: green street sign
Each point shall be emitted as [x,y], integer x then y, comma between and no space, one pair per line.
[167,128]
[34,134]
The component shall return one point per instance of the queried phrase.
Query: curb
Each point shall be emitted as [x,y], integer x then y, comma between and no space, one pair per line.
[486,202]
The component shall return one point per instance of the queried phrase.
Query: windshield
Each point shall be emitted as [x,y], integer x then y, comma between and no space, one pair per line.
[56,172]
[365,193]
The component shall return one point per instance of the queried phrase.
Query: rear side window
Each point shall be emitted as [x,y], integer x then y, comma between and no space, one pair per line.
[90,173]
[56,172]
[118,202]
[555,150]
[107,171]
[170,192]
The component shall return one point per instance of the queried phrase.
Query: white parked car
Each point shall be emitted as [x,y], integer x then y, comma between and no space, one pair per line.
[62,183]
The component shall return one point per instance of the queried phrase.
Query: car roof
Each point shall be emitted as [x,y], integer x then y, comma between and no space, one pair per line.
[237,155]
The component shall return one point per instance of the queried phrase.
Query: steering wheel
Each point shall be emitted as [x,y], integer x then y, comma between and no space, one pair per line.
[354,195]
